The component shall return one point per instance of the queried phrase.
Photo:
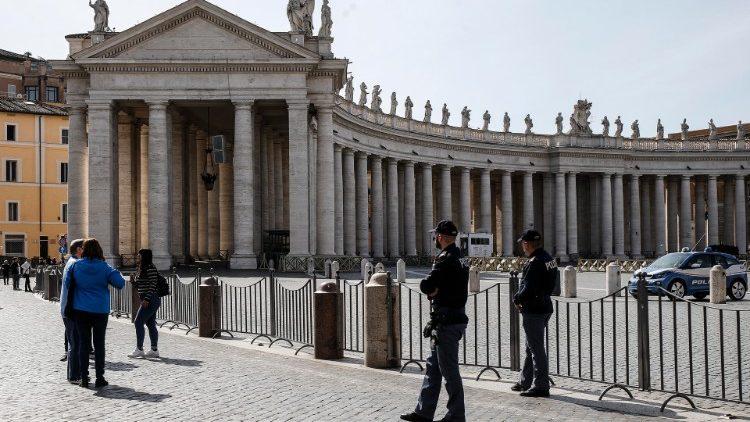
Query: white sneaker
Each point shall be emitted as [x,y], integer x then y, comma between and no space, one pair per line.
[137,353]
[152,354]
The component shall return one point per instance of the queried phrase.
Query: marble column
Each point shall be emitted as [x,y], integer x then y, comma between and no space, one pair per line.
[729,195]
[700,213]
[485,202]
[595,212]
[214,219]
[713,210]
[686,232]
[265,181]
[507,210]
[618,220]
[325,198]
[278,183]
[528,200]
[376,181]
[393,201]
[561,234]
[200,147]
[740,214]
[244,253]
[672,213]
[606,208]
[143,187]
[363,222]
[299,180]
[410,226]
[646,204]
[78,176]
[159,184]
[635,216]
[225,185]
[338,201]
[548,211]
[273,212]
[193,187]
[660,238]
[572,198]
[257,188]
[176,169]
[446,204]
[349,202]
[125,166]
[102,193]
[465,200]
[427,215]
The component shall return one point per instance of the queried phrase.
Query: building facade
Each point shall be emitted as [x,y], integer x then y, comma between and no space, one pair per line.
[33,186]
[154,108]
[29,78]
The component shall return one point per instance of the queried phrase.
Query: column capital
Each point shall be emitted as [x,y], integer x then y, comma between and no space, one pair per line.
[426,165]
[348,151]
[662,176]
[465,169]
[392,161]
[446,167]
[298,104]
[337,148]
[124,118]
[323,108]
[635,176]
[617,175]
[243,104]
[361,155]
[75,109]
[572,173]
[100,105]
[157,104]
[686,177]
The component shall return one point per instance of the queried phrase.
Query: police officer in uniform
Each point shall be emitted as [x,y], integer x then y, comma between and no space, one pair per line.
[538,281]
[447,287]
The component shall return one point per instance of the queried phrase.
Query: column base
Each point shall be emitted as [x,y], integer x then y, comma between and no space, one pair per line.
[163,263]
[243,262]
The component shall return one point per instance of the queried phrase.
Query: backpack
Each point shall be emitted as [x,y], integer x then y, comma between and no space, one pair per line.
[162,286]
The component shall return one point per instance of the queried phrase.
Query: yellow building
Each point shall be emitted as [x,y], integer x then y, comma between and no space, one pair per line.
[34,160]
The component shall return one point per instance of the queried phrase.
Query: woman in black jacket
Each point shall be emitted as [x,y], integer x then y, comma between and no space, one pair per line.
[146,282]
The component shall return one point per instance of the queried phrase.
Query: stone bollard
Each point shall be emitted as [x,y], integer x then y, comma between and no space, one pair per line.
[135,299]
[271,264]
[718,285]
[327,268]
[474,279]
[334,269]
[401,271]
[569,282]
[363,269]
[329,322]
[367,272]
[209,307]
[382,323]
[379,267]
[310,267]
[612,278]
[52,281]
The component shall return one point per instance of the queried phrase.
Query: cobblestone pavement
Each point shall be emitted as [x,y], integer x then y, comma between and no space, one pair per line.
[200,379]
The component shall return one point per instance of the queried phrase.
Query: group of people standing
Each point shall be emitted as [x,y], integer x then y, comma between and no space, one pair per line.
[14,270]
[85,308]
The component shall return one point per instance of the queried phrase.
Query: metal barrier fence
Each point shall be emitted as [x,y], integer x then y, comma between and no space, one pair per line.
[294,311]
[353,314]
[121,301]
[180,308]
[248,309]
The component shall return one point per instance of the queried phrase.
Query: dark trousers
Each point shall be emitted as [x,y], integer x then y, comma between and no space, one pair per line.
[536,364]
[27,286]
[16,281]
[443,363]
[91,324]
[147,316]
[71,347]
[6,277]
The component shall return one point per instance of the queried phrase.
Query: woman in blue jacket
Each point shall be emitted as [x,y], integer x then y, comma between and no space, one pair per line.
[91,304]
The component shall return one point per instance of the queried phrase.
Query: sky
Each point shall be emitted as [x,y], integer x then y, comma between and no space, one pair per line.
[641,59]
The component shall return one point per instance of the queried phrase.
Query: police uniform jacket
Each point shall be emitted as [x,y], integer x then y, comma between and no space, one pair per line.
[451,278]
[538,279]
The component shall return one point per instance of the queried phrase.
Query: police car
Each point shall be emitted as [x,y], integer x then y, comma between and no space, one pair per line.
[687,274]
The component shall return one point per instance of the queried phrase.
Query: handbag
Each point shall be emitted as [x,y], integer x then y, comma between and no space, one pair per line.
[162,286]
[69,311]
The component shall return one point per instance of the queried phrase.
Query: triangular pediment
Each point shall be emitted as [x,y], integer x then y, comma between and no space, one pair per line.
[196,30]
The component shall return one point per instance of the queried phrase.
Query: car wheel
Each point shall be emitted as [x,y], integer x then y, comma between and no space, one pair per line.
[737,290]
[700,296]
[677,288]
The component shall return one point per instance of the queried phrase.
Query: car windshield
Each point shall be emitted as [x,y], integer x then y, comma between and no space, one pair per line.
[671,260]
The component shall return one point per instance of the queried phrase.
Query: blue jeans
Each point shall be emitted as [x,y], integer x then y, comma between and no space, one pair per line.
[443,363]
[536,364]
[71,336]
[147,316]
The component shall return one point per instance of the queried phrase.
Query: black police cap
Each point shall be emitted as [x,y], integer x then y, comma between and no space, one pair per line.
[530,236]
[447,228]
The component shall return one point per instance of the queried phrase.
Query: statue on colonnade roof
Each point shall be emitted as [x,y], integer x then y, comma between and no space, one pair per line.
[428,112]
[529,124]
[487,118]
[300,15]
[618,125]
[408,106]
[659,130]
[101,16]
[465,117]
[376,102]
[605,127]
[579,121]
[506,122]
[362,94]
[446,114]
[326,23]
[684,130]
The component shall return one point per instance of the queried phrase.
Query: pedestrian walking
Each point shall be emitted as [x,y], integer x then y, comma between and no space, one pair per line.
[538,279]
[15,273]
[91,277]
[26,271]
[146,283]
[71,332]
[6,272]
[447,287]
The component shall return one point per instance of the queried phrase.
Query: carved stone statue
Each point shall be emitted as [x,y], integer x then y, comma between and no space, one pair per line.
[684,130]
[362,94]
[313,124]
[326,23]
[349,89]
[506,122]
[376,102]
[529,124]
[446,114]
[659,130]
[618,127]
[465,117]
[394,104]
[605,127]
[487,118]
[300,15]
[712,133]
[559,123]
[740,130]
[579,120]
[636,129]
[427,112]
[101,16]
[408,105]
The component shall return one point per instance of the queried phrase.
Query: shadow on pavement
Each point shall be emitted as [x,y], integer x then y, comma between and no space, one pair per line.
[124,393]
[178,362]
[636,407]
[119,366]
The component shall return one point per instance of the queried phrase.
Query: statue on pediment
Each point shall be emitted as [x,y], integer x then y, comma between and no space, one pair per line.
[326,22]
[394,104]
[579,120]
[101,15]
[740,130]
[659,130]
[506,122]
[712,132]
[636,129]
[618,127]
[465,117]
[350,89]
[605,127]
[684,130]
[300,15]
[446,115]
[428,112]
[559,123]
[376,102]
[529,124]
[408,105]
[487,118]
[362,94]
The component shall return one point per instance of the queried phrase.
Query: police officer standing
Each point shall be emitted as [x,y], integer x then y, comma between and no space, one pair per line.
[447,287]
[538,281]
